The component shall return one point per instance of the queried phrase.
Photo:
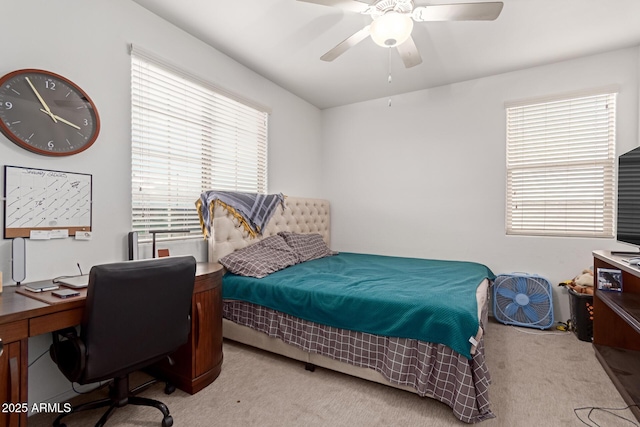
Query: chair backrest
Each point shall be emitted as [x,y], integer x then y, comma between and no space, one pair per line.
[136,312]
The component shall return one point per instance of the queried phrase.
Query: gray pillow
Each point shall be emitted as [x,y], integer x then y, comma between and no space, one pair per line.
[269,255]
[307,246]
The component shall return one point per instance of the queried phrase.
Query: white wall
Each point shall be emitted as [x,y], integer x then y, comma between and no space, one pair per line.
[426,176]
[87,42]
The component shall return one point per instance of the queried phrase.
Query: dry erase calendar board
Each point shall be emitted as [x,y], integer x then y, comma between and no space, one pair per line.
[39,199]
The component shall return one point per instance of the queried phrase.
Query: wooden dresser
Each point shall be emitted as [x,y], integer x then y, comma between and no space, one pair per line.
[616,328]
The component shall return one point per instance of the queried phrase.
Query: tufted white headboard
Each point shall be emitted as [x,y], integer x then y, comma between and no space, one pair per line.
[300,215]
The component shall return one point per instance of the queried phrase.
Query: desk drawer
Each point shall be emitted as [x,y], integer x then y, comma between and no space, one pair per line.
[14,331]
[53,322]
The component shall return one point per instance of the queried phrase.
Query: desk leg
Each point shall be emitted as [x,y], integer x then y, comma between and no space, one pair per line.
[13,377]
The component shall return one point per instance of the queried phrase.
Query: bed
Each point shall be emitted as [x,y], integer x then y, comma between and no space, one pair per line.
[382,351]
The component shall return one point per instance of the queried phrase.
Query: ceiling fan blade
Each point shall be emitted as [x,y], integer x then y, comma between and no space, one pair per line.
[409,53]
[458,12]
[349,42]
[350,5]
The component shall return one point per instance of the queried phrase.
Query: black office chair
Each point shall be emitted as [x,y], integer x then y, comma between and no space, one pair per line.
[136,313]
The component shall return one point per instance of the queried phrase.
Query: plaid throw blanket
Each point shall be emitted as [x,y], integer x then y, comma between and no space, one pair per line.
[253,210]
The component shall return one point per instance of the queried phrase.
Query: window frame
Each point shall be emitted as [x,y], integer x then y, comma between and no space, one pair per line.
[188,136]
[553,143]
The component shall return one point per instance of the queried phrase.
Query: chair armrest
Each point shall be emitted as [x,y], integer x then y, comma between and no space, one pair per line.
[69,353]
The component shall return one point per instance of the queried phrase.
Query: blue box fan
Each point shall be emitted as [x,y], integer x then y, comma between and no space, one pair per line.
[523,300]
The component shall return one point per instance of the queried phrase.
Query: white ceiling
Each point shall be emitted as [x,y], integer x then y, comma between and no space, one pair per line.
[283,40]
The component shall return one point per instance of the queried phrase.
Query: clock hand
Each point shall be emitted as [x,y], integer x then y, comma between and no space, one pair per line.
[54,117]
[44,104]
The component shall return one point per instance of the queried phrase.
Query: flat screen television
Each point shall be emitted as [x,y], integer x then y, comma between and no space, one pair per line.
[628,208]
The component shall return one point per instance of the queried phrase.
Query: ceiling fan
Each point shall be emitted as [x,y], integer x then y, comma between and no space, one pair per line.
[393,22]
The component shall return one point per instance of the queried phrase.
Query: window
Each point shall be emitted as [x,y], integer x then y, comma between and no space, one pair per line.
[560,166]
[188,137]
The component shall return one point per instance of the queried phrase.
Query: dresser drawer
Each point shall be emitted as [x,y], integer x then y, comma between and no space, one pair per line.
[53,322]
[14,331]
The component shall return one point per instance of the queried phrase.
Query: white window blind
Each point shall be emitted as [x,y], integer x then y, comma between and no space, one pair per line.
[560,167]
[187,138]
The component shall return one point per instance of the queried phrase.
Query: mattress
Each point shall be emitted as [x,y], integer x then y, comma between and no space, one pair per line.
[429,300]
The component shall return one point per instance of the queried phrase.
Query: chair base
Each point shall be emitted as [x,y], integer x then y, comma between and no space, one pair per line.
[119,396]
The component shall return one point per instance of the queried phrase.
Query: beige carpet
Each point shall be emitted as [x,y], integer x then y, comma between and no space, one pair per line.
[539,378]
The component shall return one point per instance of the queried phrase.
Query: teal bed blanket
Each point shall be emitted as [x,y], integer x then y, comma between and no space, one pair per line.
[428,300]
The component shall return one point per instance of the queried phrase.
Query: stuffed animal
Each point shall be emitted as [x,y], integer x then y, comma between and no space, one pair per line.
[582,283]
[584,279]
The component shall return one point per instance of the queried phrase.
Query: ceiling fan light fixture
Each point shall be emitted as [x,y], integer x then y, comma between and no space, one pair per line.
[391,29]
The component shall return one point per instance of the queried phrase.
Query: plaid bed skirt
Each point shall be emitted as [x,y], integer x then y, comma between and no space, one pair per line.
[433,370]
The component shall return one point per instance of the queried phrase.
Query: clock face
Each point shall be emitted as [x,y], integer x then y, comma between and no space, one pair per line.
[47,113]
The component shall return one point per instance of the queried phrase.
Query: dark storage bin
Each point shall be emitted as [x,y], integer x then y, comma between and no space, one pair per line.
[581,307]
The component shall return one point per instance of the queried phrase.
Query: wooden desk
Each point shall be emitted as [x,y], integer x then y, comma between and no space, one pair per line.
[198,362]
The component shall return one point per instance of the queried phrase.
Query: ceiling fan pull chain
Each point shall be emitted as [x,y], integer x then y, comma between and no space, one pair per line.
[389,69]
[389,63]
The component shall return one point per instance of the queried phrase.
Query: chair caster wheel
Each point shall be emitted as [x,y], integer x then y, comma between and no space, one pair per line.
[167,421]
[169,388]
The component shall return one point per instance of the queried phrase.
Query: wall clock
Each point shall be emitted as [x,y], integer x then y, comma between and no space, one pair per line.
[46,113]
